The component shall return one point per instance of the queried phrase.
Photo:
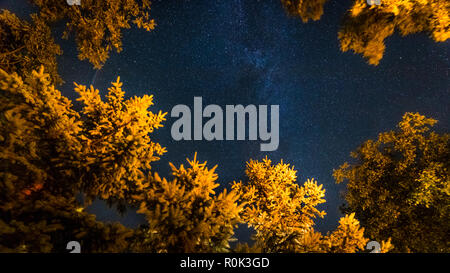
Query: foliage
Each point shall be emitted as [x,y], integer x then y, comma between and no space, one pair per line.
[27,45]
[399,186]
[276,207]
[38,135]
[117,149]
[365,27]
[185,215]
[40,222]
[97,24]
[50,153]
[306,9]
[282,213]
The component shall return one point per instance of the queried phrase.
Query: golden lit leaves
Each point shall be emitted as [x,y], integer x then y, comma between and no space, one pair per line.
[38,130]
[50,153]
[348,237]
[27,45]
[280,210]
[386,246]
[306,9]
[185,215]
[365,27]
[97,24]
[282,213]
[116,141]
[400,184]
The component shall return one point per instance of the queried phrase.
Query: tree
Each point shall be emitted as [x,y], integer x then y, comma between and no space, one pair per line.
[50,153]
[116,146]
[41,222]
[399,186]
[365,27]
[282,213]
[97,24]
[185,215]
[27,45]
[306,9]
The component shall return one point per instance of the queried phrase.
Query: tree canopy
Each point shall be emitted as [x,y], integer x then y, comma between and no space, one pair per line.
[97,25]
[399,186]
[282,213]
[185,214]
[55,160]
[27,45]
[50,153]
[365,27]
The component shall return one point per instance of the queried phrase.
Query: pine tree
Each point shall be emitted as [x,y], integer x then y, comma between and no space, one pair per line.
[116,147]
[50,153]
[282,213]
[185,214]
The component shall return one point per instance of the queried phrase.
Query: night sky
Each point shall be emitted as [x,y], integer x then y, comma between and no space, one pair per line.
[251,52]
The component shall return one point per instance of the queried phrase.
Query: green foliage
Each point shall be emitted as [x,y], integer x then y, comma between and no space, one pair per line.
[399,186]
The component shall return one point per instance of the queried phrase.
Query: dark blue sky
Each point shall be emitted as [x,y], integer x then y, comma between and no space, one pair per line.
[251,52]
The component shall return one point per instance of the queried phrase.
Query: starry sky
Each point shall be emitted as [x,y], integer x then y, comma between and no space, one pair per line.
[251,52]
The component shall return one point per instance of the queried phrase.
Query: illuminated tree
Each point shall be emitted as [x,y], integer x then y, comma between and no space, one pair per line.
[282,213]
[27,45]
[185,215]
[306,9]
[97,24]
[399,186]
[116,147]
[50,153]
[276,207]
[365,27]
[41,222]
